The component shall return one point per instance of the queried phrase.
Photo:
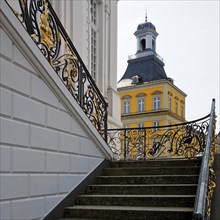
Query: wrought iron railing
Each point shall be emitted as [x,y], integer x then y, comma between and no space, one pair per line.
[206,184]
[45,28]
[185,140]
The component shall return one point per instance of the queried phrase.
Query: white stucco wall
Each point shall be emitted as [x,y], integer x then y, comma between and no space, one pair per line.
[47,144]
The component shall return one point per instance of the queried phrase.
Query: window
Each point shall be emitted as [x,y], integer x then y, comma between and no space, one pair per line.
[92,38]
[182,110]
[140,125]
[176,107]
[143,44]
[141,104]
[126,126]
[93,9]
[170,94]
[135,79]
[156,125]
[156,103]
[153,45]
[93,53]
[170,103]
[126,106]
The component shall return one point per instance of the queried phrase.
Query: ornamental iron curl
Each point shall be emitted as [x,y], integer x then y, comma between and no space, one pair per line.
[45,28]
[185,140]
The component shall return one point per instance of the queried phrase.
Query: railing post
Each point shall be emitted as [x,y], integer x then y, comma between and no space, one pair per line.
[125,149]
[145,144]
[201,194]
[81,88]
[106,125]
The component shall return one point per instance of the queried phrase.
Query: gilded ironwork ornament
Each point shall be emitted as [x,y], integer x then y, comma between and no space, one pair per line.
[46,30]
[186,140]
[211,183]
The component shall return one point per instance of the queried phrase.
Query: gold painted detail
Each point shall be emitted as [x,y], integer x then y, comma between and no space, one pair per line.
[70,70]
[22,4]
[45,30]
[133,140]
[211,183]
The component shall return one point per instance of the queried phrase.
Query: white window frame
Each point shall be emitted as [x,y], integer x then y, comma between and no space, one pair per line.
[126,126]
[93,11]
[156,102]
[93,38]
[176,107]
[93,49]
[182,110]
[141,104]
[140,125]
[170,103]
[156,125]
[126,106]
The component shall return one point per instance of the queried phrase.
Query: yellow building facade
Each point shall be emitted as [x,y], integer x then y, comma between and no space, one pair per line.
[148,97]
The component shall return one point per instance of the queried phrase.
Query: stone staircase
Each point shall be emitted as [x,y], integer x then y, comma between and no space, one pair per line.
[151,189]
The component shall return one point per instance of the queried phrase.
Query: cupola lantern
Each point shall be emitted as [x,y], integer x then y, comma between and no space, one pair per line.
[146,36]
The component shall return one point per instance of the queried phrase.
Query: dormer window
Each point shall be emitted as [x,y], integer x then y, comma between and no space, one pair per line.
[136,79]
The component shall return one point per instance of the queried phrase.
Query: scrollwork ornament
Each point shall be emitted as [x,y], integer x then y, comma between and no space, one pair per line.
[46,34]
[211,183]
[46,30]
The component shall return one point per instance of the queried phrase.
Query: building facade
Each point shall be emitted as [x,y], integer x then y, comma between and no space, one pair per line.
[92,27]
[148,97]
[48,145]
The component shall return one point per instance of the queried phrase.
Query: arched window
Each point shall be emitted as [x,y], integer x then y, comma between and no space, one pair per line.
[143,44]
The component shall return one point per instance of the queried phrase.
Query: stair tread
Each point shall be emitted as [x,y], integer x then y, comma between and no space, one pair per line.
[161,167]
[150,193]
[160,159]
[139,196]
[136,185]
[184,175]
[132,208]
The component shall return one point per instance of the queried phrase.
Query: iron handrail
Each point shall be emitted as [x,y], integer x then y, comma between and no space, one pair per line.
[47,31]
[102,131]
[162,126]
[200,205]
[183,140]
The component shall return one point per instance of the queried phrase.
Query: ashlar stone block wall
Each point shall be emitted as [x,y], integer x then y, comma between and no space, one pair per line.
[45,151]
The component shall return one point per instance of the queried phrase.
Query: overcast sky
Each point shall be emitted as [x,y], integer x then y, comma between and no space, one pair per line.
[188,41]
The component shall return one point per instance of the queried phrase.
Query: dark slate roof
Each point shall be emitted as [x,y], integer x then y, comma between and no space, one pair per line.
[146,25]
[147,68]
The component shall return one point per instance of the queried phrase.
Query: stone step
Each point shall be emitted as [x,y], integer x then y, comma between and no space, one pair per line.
[128,212]
[158,163]
[150,171]
[137,200]
[151,189]
[144,189]
[148,179]
[75,219]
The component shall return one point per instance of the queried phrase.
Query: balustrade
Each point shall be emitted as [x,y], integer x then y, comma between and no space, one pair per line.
[46,30]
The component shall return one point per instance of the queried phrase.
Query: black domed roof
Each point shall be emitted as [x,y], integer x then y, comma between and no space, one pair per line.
[146,25]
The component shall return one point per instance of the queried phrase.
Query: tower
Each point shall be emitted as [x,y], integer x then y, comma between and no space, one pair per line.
[148,97]
[146,35]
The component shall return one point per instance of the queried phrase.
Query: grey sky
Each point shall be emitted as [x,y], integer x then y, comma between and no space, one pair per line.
[188,41]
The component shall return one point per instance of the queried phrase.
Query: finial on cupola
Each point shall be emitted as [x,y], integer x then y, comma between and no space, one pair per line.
[145,14]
